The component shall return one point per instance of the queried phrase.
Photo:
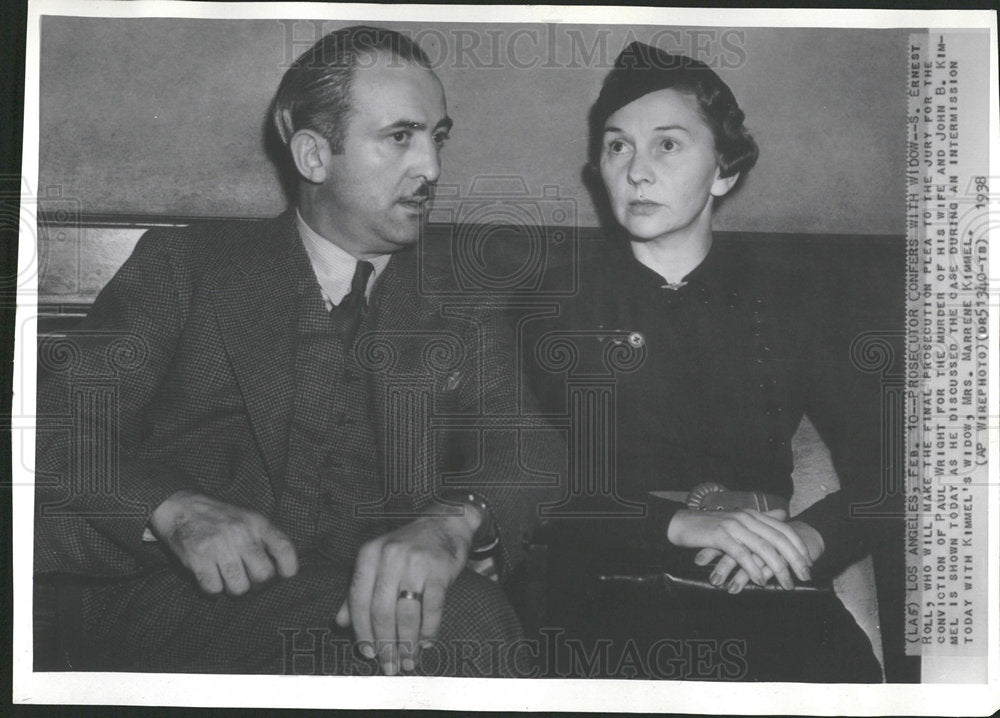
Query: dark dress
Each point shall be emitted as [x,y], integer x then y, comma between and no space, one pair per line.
[729,364]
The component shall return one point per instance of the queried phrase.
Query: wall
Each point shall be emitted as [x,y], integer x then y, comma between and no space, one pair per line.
[165,116]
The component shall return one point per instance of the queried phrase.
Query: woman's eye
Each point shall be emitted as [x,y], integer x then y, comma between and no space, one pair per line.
[616,147]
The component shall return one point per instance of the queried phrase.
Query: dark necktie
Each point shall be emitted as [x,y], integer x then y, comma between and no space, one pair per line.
[351,310]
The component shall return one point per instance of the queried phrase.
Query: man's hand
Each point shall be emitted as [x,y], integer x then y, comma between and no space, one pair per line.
[226,547]
[423,557]
[744,536]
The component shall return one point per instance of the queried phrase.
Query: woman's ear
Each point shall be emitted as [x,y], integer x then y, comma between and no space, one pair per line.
[311,155]
[722,185]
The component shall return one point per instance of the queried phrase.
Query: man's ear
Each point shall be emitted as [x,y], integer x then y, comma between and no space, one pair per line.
[722,185]
[311,154]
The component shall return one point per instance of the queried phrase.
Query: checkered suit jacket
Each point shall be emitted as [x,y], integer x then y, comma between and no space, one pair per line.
[191,344]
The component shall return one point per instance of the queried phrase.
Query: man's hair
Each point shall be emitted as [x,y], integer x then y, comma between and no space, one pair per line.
[641,69]
[315,92]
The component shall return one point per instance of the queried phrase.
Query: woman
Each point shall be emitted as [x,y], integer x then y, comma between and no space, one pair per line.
[733,357]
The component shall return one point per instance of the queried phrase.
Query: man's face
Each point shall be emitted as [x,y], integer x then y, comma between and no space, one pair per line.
[377,191]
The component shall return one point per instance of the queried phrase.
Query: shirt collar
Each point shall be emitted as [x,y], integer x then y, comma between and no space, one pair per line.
[717,276]
[334,267]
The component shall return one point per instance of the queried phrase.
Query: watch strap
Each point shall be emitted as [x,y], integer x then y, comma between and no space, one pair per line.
[487,537]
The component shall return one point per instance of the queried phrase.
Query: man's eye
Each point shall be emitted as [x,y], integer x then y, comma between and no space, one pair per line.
[441,138]
[401,137]
[668,145]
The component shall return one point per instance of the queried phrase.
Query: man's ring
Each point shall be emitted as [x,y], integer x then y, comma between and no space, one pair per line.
[405,595]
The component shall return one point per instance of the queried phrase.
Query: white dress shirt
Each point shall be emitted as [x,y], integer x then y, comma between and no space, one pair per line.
[333,266]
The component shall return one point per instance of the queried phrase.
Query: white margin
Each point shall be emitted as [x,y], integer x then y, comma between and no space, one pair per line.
[453,693]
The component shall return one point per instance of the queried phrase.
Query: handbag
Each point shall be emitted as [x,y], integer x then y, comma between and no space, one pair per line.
[673,569]
[615,604]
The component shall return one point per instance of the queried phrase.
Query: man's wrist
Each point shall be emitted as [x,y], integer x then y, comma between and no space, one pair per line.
[161,520]
[463,526]
[477,515]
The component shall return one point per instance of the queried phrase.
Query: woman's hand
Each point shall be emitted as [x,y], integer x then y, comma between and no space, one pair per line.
[744,536]
[810,538]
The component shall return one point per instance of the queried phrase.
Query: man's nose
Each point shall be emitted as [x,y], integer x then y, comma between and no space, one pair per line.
[427,160]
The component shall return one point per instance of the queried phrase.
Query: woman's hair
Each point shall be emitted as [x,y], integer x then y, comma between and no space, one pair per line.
[641,69]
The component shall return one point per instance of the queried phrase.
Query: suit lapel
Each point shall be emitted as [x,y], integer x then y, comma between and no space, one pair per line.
[398,303]
[399,309]
[256,307]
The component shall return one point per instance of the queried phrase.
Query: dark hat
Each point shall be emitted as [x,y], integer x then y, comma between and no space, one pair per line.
[641,69]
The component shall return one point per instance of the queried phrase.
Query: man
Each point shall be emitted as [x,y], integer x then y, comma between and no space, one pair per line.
[276,468]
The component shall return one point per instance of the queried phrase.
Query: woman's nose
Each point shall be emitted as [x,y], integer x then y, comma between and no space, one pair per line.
[639,169]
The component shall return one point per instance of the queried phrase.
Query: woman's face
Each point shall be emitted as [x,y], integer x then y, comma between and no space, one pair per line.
[659,165]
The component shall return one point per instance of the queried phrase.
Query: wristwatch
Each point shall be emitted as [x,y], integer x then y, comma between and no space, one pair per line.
[487,536]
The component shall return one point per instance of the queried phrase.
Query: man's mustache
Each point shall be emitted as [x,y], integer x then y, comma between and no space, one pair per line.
[422,193]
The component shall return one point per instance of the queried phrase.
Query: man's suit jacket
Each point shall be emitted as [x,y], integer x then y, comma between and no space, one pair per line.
[191,350]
